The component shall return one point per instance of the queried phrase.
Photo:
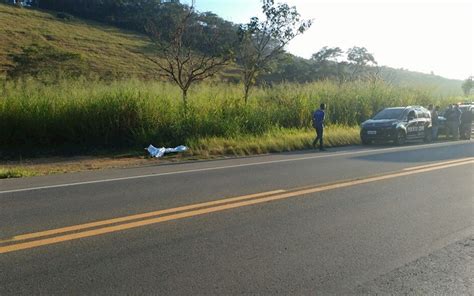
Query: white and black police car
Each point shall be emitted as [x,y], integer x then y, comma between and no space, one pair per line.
[397,124]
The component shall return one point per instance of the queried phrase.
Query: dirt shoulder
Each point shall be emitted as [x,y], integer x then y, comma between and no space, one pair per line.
[57,165]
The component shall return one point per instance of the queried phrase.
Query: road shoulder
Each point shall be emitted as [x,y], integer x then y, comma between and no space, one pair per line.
[448,271]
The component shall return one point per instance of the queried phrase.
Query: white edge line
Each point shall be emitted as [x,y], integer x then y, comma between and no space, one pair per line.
[220,168]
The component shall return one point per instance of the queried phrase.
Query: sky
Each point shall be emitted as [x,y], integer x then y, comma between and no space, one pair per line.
[419,35]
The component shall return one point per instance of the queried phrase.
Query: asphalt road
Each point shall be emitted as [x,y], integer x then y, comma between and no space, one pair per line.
[355,220]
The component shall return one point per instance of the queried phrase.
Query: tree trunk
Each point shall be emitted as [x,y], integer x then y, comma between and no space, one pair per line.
[249,76]
[185,101]
[246,92]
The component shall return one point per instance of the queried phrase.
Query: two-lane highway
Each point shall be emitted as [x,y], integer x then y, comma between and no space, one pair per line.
[292,223]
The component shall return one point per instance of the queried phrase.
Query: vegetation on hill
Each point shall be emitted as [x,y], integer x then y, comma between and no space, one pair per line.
[110,53]
[439,86]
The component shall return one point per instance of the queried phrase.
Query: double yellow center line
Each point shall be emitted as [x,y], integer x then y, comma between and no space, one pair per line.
[54,236]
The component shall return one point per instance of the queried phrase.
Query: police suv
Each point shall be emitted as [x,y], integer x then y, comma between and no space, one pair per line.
[398,124]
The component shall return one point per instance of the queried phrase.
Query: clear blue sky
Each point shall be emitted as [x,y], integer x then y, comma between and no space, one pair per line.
[419,35]
[237,11]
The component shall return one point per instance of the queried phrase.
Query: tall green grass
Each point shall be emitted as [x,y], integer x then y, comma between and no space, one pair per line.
[276,140]
[132,113]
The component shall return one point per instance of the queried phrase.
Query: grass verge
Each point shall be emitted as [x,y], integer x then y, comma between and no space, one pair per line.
[276,140]
[75,116]
[6,173]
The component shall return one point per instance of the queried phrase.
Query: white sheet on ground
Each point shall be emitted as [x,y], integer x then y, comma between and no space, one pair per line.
[159,152]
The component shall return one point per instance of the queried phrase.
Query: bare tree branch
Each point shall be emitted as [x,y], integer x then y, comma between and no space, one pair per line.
[178,61]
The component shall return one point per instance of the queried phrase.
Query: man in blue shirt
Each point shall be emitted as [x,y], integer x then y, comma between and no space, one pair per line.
[318,124]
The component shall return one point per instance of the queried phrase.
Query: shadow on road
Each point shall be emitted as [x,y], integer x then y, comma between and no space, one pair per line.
[435,153]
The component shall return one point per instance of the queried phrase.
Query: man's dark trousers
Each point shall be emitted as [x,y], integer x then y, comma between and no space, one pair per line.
[319,136]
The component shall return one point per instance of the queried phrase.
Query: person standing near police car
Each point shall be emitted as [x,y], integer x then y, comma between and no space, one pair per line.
[318,124]
[434,121]
[466,124]
[448,114]
[453,121]
[456,121]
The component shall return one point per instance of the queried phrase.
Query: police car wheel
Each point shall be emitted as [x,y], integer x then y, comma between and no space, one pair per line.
[401,138]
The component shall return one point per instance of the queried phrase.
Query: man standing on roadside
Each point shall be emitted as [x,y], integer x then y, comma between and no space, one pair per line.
[456,121]
[434,121]
[466,124]
[453,121]
[448,114]
[318,124]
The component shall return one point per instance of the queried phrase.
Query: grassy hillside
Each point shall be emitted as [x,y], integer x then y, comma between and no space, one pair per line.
[107,50]
[438,85]
[114,53]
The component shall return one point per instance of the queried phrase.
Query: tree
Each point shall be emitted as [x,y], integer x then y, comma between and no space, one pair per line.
[359,60]
[186,51]
[261,41]
[360,56]
[288,68]
[326,62]
[467,86]
[327,54]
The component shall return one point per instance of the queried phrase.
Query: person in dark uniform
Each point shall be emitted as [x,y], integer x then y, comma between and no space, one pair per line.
[450,119]
[318,124]
[466,124]
[434,121]
[456,120]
